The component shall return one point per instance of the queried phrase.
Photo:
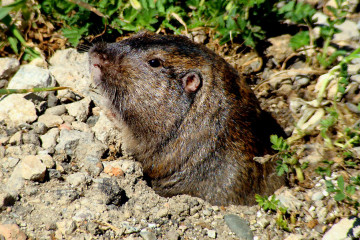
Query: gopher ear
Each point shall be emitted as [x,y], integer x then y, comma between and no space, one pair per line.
[191,82]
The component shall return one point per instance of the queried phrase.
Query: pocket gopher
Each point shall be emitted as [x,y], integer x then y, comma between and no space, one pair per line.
[188,116]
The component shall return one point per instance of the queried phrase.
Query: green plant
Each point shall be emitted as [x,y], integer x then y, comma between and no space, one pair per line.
[13,35]
[287,159]
[272,204]
[303,14]
[327,32]
[325,171]
[325,124]
[344,192]
[345,137]
[229,18]
[236,18]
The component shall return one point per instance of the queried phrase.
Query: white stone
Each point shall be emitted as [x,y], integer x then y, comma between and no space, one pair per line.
[104,129]
[8,66]
[79,109]
[339,230]
[348,30]
[49,139]
[47,160]
[289,201]
[16,110]
[30,76]
[71,69]
[211,234]
[76,179]
[31,168]
[50,120]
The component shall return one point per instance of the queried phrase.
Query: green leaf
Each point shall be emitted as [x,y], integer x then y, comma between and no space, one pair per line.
[341,183]
[329,186]
[350,190]
[74,34]
[300,39]
[13,44]
[339,196]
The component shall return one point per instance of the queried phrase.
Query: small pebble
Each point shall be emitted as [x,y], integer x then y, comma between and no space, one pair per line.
[239,226]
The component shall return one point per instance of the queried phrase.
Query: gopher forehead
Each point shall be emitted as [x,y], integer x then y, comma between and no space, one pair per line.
[165,45]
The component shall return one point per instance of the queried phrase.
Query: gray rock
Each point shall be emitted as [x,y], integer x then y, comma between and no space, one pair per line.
[355,78]
[172,235]
[30,76]
[49,139]
[8,66]
[263,222]
[104,129]
[14,151]
[147,235]
[47,160]
[211,234]
[207,212]
[163,212]
[301,81]
[80,126]
[10,162]
[16,138]
[112,193]
[76,179]
[57,110]
[66,226]
[289,201]
[92,148]
[317,196]
[31,168]
[322,214]
[70,139]
[54,174]
[65,196]
[320,18]
[347,32]
[83,215]
[93,166]
[91,121]
[50,120]
[352,107]
[71,69]
[79,109]
[15,183]
[16,110]
[129,229]
[345,229]
[31,138]
[68,119]
[29,149]
[39,128]
[239,226]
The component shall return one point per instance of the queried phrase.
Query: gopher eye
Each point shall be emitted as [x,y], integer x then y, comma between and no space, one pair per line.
[154,63]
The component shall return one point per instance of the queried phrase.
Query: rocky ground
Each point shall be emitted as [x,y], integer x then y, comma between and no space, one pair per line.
[64,175]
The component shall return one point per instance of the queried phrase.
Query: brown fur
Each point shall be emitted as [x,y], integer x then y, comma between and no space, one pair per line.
[200,141]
